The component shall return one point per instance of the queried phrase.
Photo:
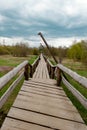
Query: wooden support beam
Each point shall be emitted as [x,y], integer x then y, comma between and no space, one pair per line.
[48,47]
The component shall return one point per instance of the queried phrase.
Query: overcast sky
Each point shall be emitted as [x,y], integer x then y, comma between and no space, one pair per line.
[60,21]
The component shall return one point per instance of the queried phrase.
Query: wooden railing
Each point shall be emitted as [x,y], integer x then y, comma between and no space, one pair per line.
[22,70]
[59,72]
[6,78]
[33,66]
[51,68]
[80,79]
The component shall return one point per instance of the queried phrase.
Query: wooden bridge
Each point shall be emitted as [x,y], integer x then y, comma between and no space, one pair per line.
[41,104]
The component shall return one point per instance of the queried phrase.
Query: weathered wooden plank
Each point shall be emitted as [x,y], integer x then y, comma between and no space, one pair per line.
[13,124]
[35,74]
[56,112]
[46,88]
[47,74]
[49,90]
[43,94]
[48,81]
[41,71]
[59,103]
[52,122]
[44,85]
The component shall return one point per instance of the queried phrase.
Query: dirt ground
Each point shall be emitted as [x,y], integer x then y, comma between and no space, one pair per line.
[5,68]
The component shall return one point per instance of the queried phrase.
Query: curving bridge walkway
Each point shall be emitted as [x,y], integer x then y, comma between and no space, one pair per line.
[41,105]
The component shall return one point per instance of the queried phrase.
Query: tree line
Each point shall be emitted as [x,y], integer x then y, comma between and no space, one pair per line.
[77,51]
[18,50]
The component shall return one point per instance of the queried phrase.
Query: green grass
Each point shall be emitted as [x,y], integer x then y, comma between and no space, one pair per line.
[53,63]
[32,59]
[82,72]
[76,66]
[2,73]
[3,90]
[76,85]
[9,60]
[76,103]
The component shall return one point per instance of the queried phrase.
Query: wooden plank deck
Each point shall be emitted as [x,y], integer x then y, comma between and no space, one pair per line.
[41,70]
[41,105]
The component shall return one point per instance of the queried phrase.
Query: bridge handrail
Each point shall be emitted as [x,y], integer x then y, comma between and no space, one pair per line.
[80,79]
[51,68]
[6,78]
[75,92]
[59,73]
[33,66]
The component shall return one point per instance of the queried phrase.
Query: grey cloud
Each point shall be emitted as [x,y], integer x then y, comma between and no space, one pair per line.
[57,18]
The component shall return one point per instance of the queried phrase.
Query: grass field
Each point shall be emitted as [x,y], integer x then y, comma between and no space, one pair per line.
[11,62]
[76,66]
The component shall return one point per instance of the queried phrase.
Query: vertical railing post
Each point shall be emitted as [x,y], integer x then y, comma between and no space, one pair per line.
[53,72]
[51,68]
[26,72]
[31,71]
[33,67]
[58,76]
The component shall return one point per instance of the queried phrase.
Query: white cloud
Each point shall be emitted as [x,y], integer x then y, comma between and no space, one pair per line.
[7,5]
[64,41]
[10,41]
[34,41]
[67,13]
[2,18]
[59,11]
